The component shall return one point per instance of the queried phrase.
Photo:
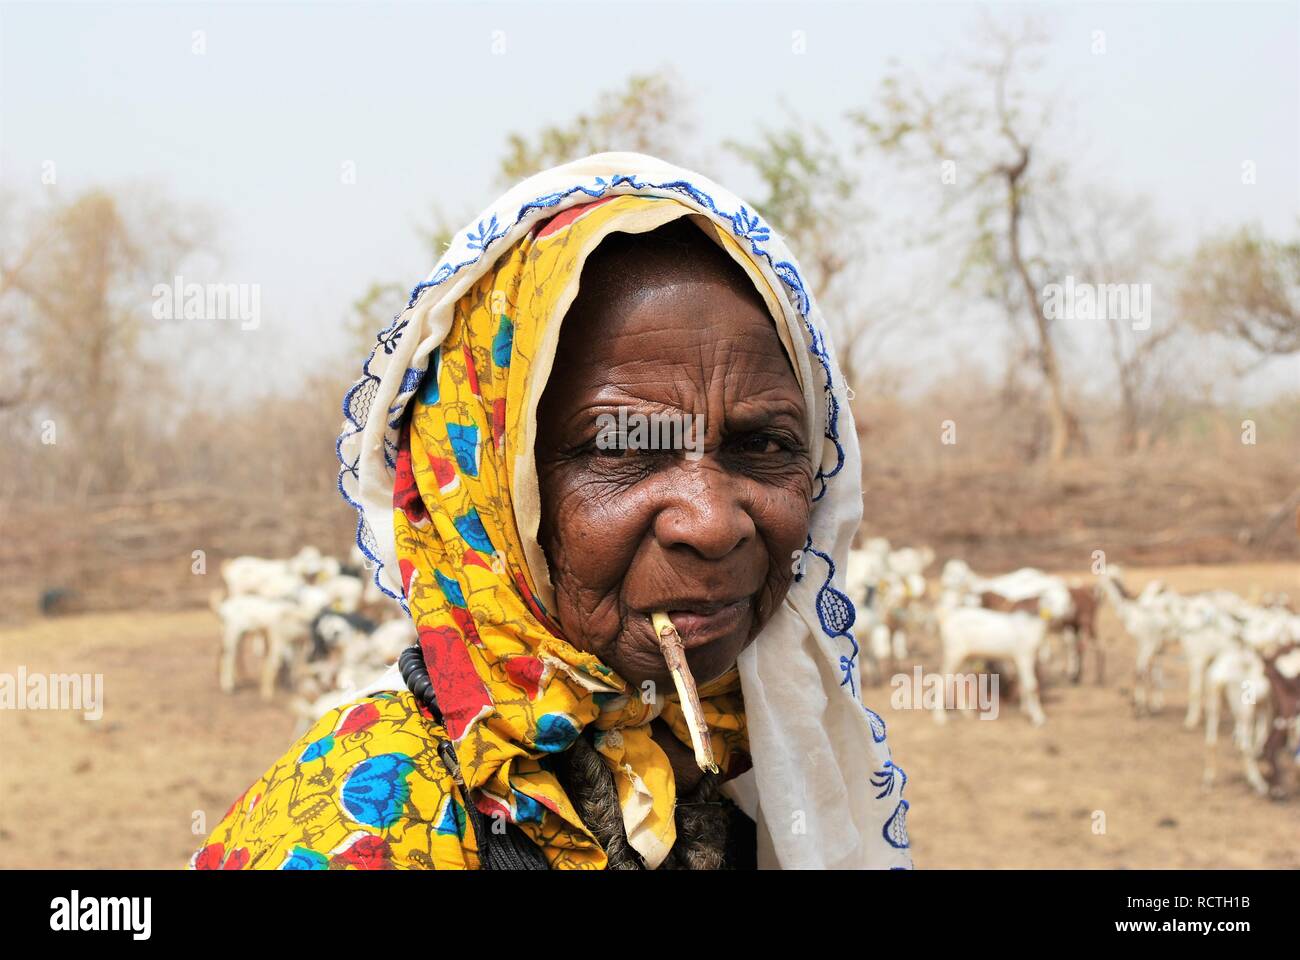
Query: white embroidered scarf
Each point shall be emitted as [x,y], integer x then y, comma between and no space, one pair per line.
[824,789]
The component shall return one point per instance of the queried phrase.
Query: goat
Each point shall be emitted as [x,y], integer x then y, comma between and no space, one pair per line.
[888,587]
[1082,631]
[1282,668]
[365,648]
[909,561]
[969,632]
[254,576]
[1237,675]
[1017,585]
[311,566]
[1029,591]
[332,629]
[1204,631]
[1204,626]
[283,626]
[899,607]
[344,592]
[863,570]
[1151,628]
[355,651]
[382,648]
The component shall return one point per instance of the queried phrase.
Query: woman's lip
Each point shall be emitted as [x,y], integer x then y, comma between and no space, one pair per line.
[705,623]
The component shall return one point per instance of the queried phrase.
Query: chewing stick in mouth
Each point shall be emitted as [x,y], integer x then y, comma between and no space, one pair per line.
[670,643]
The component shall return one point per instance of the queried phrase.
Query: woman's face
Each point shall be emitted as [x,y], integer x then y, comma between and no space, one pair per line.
[706,533]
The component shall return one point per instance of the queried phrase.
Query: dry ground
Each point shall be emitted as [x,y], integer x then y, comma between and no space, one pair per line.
[1002,793]
[125,791]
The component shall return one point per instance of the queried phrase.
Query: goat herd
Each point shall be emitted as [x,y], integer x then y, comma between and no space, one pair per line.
[317,624]
[1244,654]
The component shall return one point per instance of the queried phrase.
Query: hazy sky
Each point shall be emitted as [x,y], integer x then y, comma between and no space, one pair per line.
[256,129]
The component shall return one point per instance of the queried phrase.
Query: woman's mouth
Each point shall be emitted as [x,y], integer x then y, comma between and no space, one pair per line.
[702,622]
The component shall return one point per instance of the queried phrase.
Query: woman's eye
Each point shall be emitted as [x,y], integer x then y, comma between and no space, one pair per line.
[759,443]
[607,445]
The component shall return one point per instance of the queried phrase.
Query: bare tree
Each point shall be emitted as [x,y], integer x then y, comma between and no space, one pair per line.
[1246,287]
[77,298]
[983,127]
[809,192]
[1113,239]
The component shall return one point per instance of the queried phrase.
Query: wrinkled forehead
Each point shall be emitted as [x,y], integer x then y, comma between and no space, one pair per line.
[627,283]
[775,309]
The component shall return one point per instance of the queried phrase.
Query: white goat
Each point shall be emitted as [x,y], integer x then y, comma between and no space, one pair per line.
[254,576]
[375,652]
[344,592]
[1149,622]
[900,601]
[909,561]
[355,657]
[1048,596]
[1052,592]
[889,588]
[282,624]
[312,565]
[1204,631]
[975,632]
[864,570]
[1237,676]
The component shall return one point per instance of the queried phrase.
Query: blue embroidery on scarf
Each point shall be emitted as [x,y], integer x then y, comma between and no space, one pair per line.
[483,237]
[837,615]
[895,829]
[886,778]
[410,380]
[877,725]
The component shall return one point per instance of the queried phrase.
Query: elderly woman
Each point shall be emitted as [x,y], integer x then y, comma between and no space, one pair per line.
[613,398]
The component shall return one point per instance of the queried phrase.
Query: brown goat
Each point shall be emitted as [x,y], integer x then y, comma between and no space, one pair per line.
[1087,602]
[1286,704]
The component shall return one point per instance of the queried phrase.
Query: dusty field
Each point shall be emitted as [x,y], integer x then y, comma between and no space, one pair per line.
[125,791]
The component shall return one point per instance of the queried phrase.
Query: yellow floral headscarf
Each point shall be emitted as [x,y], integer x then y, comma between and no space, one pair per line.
[512,691]
[365,786]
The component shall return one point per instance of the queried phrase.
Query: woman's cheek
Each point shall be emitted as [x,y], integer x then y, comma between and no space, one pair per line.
[784,519]
[783,511]
[593,541]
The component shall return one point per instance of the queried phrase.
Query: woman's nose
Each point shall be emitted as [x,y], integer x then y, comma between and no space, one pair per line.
[703,512]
